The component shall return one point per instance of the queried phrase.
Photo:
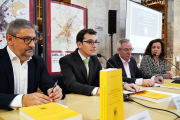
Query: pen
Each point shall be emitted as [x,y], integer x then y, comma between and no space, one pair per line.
[54,86]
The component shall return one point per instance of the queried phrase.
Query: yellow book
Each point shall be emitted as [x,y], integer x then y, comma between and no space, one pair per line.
[152,96]
[111,95]
[50,111]
[171,85]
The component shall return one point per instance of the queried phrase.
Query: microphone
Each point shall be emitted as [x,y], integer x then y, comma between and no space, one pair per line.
[99,55]
[175,81]
[155,55]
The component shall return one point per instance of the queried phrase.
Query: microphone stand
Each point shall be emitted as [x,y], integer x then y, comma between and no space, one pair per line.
[172,64]
[99,55]
[175,81]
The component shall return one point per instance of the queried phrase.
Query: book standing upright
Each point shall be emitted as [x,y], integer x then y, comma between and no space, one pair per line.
[111,95]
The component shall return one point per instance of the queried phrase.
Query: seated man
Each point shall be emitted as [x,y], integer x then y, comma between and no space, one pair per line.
[130,71]
[80,69]
[21,72]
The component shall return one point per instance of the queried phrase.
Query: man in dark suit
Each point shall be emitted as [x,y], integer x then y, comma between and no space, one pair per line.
[21,72]
[130,71]
[80,76]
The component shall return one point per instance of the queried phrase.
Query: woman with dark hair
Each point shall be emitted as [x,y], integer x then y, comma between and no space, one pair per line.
[153,62]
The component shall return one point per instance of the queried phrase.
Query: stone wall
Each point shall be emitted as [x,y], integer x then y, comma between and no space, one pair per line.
[170,31]
[173,34]
[176,30]
[97,20]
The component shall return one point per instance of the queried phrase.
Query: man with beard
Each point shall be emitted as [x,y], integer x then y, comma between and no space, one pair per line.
[80,69]
[130,71]
[21,72]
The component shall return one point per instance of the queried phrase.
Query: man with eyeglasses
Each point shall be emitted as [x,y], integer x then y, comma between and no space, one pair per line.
[80,69]
[130,71]
[21,72]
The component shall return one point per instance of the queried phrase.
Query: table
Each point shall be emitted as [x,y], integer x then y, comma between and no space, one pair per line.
[88,106]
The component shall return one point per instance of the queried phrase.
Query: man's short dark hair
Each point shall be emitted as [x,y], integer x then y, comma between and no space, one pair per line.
[80,35]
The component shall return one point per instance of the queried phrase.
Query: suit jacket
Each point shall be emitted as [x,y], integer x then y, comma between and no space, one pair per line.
[135,72]
[74,73]
[37,77]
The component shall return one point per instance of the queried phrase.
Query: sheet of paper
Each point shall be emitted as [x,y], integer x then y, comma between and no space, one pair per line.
[176,78]
[144,115]
[157,85]
[141,89]
[175,101]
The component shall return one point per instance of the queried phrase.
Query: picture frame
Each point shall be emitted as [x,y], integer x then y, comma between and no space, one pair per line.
[63,22]
[11,10]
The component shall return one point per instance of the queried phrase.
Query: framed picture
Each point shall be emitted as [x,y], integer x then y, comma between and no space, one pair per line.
[11,10]
[64,21]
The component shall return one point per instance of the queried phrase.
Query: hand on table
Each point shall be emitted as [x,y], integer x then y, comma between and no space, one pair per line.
[159,80]
[131,87]
[56,95]
[34,99]
[148,83]
[168,75]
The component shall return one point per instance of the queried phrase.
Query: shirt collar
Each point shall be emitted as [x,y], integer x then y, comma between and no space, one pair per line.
[123,61]
[12,55]
[82,57]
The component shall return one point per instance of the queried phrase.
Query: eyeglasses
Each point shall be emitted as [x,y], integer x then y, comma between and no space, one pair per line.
[92,42]
[27,40]
[126,50]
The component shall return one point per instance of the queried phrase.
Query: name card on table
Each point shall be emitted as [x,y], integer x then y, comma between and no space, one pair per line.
[175,101]
[144,115]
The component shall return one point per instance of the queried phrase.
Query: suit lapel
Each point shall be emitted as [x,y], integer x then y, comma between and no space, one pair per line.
[8,67]
[80,63]
[131,69]
[30,76]
[91,64]
[119,62]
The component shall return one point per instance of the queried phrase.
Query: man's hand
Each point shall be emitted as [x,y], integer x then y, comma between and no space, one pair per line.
[98,91]
[148,83]
[131,87]
[159,80]
[56,95]
[34,99]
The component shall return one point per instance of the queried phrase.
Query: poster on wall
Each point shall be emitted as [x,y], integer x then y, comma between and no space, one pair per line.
[11,10]
[64,21]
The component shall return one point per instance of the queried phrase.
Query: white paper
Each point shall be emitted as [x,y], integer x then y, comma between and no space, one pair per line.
[129,92]
[176,77]
[144,115]
[157,85]
[175,101]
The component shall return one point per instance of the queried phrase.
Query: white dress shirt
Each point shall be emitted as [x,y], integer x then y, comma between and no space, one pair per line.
[138,81]
[96,88]
[20,78]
